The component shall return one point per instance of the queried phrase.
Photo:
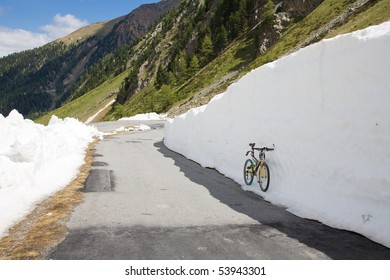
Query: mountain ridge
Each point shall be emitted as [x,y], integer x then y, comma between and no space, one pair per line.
[199,47]
[57,66]
[256,46]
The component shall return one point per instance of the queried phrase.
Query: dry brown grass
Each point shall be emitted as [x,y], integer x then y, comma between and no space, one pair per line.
[43,228]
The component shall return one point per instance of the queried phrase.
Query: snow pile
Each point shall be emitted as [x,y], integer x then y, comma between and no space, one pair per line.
[141,127]
[326,109]
[144,127]
[36,161]
[146,117]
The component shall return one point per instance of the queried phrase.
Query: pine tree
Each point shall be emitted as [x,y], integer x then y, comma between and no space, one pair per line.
[181,73]
[244,15]
[221,40]
[235,22]
[194,65]
[171,79]
[206,49]
[162,77]
[269,12]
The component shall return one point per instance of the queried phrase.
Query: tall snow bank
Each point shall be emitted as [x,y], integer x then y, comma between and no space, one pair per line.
[326,109]
[36,161]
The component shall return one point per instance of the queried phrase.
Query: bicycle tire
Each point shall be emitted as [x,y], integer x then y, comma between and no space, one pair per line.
[263,176]
[248,172]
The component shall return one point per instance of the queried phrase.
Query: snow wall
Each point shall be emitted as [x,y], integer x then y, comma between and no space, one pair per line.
[327,110]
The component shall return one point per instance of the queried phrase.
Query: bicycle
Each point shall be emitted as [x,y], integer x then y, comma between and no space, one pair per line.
[257,167]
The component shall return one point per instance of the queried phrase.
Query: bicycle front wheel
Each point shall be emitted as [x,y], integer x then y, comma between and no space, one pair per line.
[248,171]
[263,177]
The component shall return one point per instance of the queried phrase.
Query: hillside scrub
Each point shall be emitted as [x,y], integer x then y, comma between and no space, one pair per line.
[262,37]
[169,70]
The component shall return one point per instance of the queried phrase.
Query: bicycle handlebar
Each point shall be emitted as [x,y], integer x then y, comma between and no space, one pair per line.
[264,148]
[252,145]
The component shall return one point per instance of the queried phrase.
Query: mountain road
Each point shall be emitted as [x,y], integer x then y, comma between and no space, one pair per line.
[145,202]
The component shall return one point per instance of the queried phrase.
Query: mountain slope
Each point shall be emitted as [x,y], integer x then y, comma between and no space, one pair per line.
[39,80]
[294,25]
[199,48]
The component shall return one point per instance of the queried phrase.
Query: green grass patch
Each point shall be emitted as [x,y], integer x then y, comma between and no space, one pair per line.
[239,53]
[299,31]
[88,104]
[151,99]
[237,60]
[376,13]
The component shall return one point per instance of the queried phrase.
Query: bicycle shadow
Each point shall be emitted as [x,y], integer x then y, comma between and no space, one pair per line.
[335,243]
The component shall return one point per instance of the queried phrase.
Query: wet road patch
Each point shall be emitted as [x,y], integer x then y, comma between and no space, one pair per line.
[99,180]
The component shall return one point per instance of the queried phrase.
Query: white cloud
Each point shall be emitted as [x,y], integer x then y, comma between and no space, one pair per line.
[63,25]
[16,40]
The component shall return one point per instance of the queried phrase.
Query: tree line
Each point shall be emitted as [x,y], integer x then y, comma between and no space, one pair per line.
[204,31]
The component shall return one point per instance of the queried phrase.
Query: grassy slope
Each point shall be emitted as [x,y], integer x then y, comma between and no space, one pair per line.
[231,61]
[90,103]
[378,12]
[151,99]
[296,33]
[99,29]
[236,61]
[82,34]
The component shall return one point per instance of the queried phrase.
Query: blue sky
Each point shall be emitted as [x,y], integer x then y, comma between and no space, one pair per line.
[26,24]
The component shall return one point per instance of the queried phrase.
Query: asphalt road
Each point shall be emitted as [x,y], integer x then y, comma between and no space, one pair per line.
[143,201]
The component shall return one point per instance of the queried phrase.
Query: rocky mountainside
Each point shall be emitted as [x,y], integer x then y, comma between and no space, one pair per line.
[39,80]
[300,8]
[138,22]
[200,47]
[203,46]
[194,49]
[191,38]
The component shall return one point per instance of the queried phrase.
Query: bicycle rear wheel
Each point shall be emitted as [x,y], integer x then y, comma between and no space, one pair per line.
[263,177]
[248,171]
